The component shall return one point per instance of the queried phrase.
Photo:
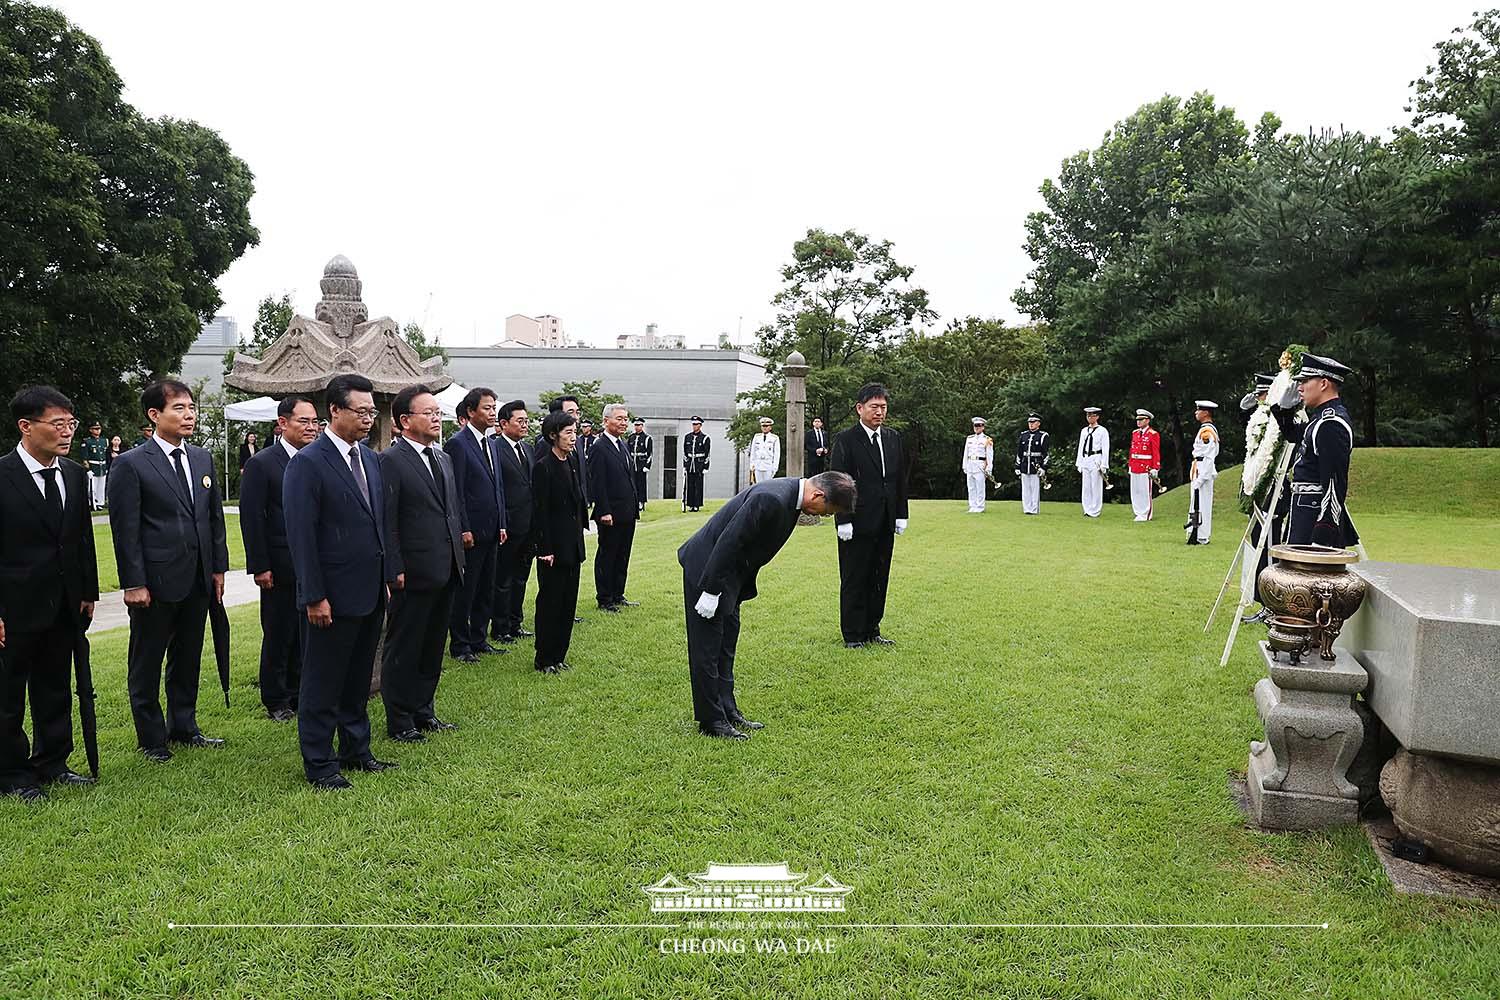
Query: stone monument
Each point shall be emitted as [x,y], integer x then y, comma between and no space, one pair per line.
[796,371]
[339,339]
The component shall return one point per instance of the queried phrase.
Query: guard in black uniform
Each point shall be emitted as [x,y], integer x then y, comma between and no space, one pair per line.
[1320,472]
[695,448]
[1033,449]
[640,449]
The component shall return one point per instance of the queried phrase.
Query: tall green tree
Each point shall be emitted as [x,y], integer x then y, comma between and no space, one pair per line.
[417,338]
[592,399]
[113,227]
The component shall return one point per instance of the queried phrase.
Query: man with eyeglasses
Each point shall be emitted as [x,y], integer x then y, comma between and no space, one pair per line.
[49,581]
[166,513]
[334,499]
[269,560]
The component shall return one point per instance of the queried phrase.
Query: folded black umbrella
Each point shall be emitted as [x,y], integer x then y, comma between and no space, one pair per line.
[219,619]
[86,716]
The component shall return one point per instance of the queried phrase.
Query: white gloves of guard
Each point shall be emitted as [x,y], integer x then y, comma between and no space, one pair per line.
[900,525]
[708,605]
[845,532]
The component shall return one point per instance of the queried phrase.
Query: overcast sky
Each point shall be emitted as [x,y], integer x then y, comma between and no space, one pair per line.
[624,163]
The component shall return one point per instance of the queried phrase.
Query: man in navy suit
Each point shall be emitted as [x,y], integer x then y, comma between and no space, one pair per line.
[513,565]
[167,517]
[612,491]
[335,528]
[269,561]
[719,566]
[476,473]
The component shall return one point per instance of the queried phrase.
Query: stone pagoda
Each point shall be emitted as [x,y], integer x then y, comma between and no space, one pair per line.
[340,338]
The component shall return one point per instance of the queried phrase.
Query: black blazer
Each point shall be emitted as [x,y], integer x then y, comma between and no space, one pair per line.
[724,556]
[161,539]
[882,499]
[518,499]
[46,562]
[262,520]
[540,447]
[560,510]
[246,454]
[338,544]
[810,445]
[611,482]
[424,531]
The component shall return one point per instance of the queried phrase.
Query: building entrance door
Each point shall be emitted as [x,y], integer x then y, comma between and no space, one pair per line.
[669,467]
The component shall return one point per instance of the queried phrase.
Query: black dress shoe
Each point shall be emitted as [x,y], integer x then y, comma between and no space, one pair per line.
[722,731]
[200,741]
[71,777]
[469,658]
[564,665]
[507,638]
[157,755]
[409,736]
[435,725]
[577,620]
[547,668]
[740,722]
[283,715]
[628,604]
[330,783]
[613,609]
[881,640]
[854,645]
[372,765]
[26,793]
[488,650]
[521,633]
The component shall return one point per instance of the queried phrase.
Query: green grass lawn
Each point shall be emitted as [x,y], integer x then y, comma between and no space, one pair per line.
[109,574]
[1050,742]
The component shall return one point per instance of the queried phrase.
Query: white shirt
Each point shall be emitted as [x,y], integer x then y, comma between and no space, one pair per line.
[346,450]
[290,451]
[421,450]
[877,440]
[35,468]
[167,449]
[518,443]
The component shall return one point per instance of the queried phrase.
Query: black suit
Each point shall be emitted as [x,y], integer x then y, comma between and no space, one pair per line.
[559,523]
[513,566]
[813,440]
[172,543]
[47,569]
[865,560]
[263,529]
[723,558]
[612,492]
[424,526]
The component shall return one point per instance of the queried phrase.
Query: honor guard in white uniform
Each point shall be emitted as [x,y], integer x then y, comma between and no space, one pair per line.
[1092,460]
[765,453]
[1200,526]
[1033,451]
[978,464]
[1144,463]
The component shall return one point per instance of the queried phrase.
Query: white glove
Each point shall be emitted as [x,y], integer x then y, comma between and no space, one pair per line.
[900,525]
[707,605]
[845,532]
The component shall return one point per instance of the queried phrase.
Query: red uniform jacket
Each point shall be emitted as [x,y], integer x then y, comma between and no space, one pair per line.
[1145,450]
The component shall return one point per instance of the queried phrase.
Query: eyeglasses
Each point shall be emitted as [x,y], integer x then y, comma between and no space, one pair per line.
[367,413]
[59,425]
[427,413]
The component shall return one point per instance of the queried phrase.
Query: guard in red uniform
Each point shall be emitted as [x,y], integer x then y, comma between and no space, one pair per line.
[1145,464]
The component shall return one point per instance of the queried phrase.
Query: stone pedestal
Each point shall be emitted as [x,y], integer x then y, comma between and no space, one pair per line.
[1452,806]
[1298,777]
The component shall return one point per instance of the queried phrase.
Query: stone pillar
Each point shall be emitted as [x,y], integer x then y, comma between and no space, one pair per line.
[795,370]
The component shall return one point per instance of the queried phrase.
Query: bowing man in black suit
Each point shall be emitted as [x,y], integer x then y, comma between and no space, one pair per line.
[335,526]
[612,492]
[513,567]
[561,514]
[166,512]
[269,560]
[719,566]
[424,526]
[49,582]
[871,454]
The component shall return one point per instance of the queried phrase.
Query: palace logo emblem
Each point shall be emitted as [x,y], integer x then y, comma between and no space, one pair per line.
[747,888]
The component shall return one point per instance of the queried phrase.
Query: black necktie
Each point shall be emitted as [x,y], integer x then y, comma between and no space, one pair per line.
[521,461]
[875,440]
[489,459]
[182,479]
[51,494]
[437,476]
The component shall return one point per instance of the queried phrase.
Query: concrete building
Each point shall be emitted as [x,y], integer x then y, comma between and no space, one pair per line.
[219,333]
[535,331]
[664,387]
[651,340]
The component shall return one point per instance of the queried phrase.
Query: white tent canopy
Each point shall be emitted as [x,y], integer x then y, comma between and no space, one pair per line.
[450,398]
[258,410]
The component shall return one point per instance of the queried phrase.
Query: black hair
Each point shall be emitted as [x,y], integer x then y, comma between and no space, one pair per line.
[554,424]
[838,489]
[340,386]
[555,405]
[288,406]
[509,409]
[473,400]
[157,394]
[869,391]
[401,405]
[34,400]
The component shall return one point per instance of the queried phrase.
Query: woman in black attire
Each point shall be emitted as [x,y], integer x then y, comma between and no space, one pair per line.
[248,448]
[560,519]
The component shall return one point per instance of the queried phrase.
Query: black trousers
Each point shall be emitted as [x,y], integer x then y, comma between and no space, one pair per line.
[692,492]
[173,629]
[864,573]
[411,663]
[38,662]
[711,644]
[639,481]
[556,603]
[612,561]
[512,571]
[337,663]
[280,644]
[471,607]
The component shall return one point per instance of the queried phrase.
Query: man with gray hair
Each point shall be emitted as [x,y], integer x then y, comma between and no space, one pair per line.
[719,566]
[612,490]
